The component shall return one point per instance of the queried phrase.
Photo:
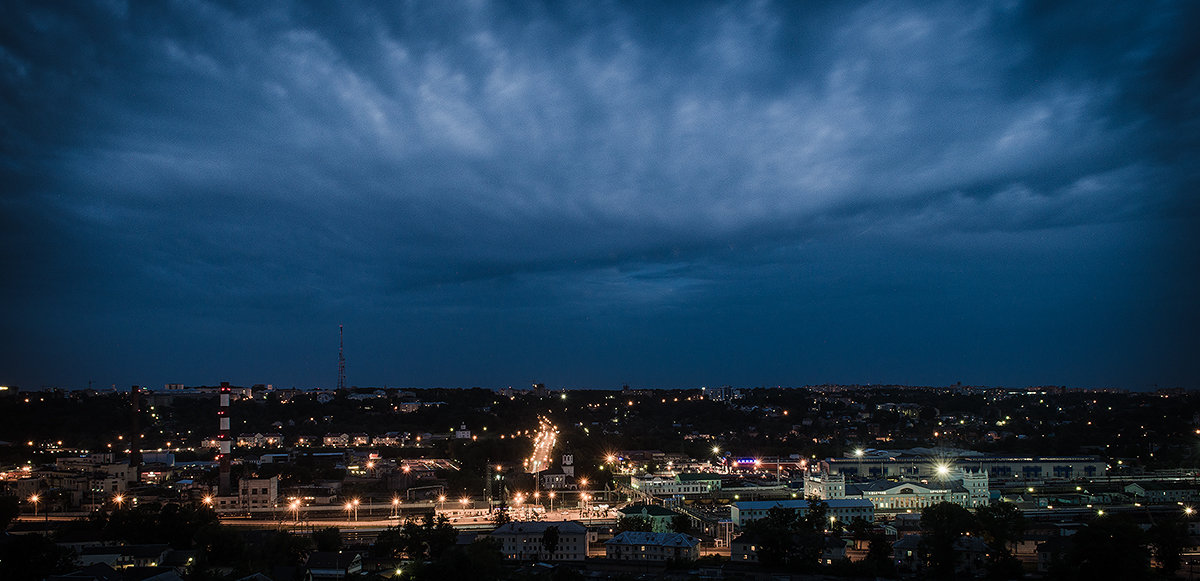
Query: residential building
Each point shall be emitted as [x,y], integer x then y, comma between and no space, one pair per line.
[334,565]
[642,546]
[524,541]
[970,561]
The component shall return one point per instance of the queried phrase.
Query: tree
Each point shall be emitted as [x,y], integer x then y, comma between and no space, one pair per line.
[1002,525]
[682,523]
[389,543]
[786,539]
[284,549]
[327,539]
[879,556]
[482,560]
[427,537]
[501,517]
[635,524]
[860,529]
[10,508]
[1110,547]
[32,558]
[1167,540]
[550,540]
[942,524]
[220,545]
[817,516]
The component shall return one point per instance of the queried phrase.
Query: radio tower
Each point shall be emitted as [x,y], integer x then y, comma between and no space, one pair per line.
[341,360]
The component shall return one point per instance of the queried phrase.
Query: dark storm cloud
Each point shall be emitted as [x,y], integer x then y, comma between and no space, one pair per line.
[593,194]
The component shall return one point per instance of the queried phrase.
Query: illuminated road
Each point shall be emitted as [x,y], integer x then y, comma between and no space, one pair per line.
[543,447]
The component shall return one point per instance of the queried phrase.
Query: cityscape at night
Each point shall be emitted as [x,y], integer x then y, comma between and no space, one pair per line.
[225,481]
[763,290]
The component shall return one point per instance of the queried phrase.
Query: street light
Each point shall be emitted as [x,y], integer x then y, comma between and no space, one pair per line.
[395,506]
[355,503]
[441,502]
[295,506]
[551,501]
[34,499]
[119,500]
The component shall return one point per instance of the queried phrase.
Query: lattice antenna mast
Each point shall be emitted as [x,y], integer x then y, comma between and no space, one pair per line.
[341,359]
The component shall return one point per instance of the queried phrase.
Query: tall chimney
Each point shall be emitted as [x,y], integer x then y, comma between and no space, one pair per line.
[223,486]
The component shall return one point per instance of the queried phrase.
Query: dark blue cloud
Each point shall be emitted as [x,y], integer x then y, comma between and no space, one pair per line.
[596,194]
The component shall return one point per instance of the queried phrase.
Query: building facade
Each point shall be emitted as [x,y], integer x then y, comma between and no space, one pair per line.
[964,488]
[999,468]
[840,509]
[527,541]
[642,546]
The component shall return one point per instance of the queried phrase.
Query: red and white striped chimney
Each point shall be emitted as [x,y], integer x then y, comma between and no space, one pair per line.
[223,441]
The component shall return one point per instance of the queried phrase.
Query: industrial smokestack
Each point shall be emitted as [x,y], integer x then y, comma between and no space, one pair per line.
[223,485]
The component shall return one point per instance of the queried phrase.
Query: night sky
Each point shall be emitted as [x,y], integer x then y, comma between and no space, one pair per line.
[589,194]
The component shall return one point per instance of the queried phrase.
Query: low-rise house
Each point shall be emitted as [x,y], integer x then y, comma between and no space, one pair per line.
[259,440]
[390,439]
[334,565]
[744,548]
[641,546]
[971,555]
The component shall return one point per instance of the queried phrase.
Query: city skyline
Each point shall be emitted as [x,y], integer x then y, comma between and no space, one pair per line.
[590,196]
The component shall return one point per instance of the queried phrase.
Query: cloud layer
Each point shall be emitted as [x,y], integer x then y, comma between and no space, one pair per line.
[588,195]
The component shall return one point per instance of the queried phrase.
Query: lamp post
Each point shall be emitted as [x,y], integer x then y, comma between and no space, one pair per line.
[395,507]
[551,501]
[34,499]
[295,506]
[582,494]
[119,499]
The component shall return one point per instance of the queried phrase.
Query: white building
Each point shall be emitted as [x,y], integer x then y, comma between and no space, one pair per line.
[902,464]
[253,494]
[659,485]
[259,440]
[526,541]
[966,489]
